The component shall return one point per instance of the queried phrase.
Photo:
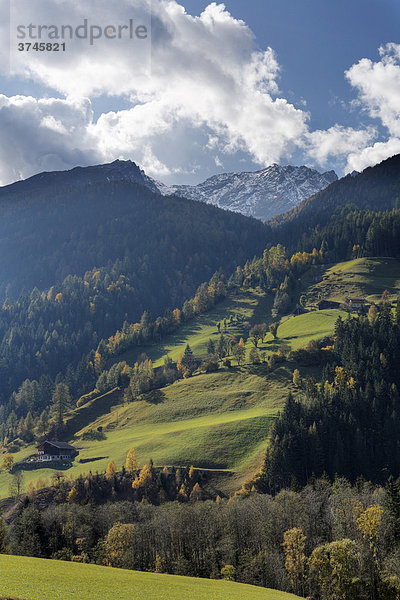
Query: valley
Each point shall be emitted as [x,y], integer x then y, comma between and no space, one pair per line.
[217,420]
[215,374]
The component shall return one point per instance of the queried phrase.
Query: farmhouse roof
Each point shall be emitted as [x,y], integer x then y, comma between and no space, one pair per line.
[60,445]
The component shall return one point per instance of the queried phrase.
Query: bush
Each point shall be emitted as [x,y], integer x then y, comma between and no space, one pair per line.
[210,364]
[93,434]
[228,573]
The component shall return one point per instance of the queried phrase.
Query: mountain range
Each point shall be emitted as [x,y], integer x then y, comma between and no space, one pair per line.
[260,194]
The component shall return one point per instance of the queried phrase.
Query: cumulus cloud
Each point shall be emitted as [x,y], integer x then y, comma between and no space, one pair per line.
[206,76]
[378,87]
[337,141]
[197,92]
[45,134]
[372,155]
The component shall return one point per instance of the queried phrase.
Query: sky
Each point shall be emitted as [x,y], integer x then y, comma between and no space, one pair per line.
[201,88]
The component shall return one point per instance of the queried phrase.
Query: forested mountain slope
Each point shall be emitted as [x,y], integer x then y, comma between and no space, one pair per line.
[375,189]
[169,245]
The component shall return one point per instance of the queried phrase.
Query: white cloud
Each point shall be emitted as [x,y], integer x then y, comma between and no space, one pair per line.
[199,93]
[372,155]
[206,75]
[46,134]
[337,141]
[378,86]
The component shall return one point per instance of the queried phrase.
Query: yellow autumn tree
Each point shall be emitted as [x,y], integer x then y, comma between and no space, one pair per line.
[72,495]
[131,463]
[192,474]
[295,558]
[7,462]
[117,545]
[144,486]
[182,494]
[111,470]
[177,316]
[369,523]
[180,367]
[99,363]
[296,378]
[159,564]
[197,493]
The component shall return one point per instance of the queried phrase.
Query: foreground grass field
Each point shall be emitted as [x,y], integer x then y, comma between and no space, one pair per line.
[39,579]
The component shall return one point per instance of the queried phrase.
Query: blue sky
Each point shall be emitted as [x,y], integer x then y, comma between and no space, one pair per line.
[216,98]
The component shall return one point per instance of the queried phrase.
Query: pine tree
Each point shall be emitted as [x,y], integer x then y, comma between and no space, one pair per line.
[188,360]
[43,423]
[211,347]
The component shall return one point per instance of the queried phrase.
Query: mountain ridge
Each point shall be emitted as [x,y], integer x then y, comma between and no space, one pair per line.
[261,194]
[116,171]
[379,184]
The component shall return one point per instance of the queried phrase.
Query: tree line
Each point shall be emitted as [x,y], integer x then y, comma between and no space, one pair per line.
[348,423]
[327,540]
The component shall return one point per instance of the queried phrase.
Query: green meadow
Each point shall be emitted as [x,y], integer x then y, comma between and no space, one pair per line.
[40,579]
[252,306]
[219,420]
[367,277]
[296,332]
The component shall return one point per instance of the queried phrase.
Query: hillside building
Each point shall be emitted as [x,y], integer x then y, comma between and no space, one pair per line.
[356,302]
[327,304]
[55,451]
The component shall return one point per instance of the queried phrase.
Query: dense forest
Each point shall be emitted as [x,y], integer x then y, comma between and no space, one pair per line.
[163,246]
[345,213]
[349,423]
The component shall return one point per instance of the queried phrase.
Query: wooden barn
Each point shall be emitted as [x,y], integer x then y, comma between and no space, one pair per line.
[55,451]
[327,304]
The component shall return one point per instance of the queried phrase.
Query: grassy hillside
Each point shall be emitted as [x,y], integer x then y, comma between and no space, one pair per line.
[367,277]
[296,332]
[218,420]
[253,306]
[39,579]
